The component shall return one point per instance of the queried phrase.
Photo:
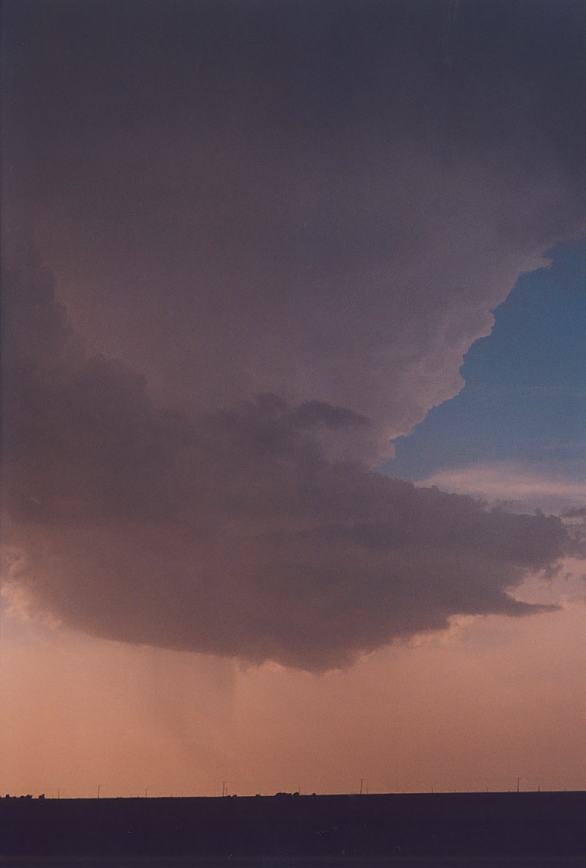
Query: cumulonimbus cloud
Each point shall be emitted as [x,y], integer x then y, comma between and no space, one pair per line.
[235,532]
[293,263]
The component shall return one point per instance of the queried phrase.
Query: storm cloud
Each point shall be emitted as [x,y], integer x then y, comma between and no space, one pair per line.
[232,533]
[275,230]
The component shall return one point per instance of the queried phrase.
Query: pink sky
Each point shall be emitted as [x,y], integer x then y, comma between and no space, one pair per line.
[471,708]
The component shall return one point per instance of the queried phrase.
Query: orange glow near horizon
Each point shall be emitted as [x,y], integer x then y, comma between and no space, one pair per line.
[469,709]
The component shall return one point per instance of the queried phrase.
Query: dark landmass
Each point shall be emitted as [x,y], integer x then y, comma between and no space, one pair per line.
[456,829]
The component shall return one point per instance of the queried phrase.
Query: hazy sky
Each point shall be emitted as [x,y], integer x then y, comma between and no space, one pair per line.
[270,474]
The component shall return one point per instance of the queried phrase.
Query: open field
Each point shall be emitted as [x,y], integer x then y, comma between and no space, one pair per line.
[512,829]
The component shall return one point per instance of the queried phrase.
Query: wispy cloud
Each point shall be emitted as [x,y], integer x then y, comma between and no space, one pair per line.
[523,488]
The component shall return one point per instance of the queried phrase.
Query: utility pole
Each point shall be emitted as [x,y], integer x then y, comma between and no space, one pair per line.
[224,783]
[99,788]
[518,783]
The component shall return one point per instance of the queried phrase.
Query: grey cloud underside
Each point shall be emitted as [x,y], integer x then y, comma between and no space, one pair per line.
[233,533]
[336,193]
[292,219]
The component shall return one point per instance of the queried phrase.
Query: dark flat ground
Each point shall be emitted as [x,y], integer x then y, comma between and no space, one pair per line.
[532,830]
